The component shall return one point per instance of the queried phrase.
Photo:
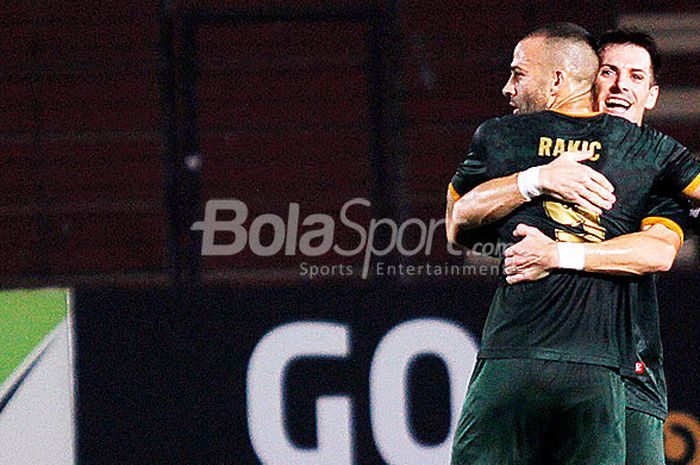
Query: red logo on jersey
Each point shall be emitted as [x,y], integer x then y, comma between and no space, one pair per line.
[639,368]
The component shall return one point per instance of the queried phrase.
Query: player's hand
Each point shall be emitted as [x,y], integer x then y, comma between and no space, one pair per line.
[532,257]
[567,179]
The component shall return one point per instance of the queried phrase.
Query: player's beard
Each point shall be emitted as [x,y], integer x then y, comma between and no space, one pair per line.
[535,100]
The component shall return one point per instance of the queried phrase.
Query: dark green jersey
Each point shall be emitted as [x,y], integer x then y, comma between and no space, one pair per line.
[572,316]
[645,382]
[645,390]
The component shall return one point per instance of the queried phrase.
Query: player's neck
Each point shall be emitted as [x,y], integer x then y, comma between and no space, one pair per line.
[579,103]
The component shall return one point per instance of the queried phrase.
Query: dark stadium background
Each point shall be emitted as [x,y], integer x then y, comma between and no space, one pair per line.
[120,119]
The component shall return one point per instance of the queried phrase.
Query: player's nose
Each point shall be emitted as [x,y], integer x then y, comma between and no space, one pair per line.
[508,89]
[621,83]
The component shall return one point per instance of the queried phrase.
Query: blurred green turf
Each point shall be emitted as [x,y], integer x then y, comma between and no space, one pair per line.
[26,317]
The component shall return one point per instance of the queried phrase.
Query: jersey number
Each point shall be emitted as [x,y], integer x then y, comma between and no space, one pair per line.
[585,224]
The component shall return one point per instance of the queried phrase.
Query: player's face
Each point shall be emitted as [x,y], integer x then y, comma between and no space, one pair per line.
[526,87]
[625,83]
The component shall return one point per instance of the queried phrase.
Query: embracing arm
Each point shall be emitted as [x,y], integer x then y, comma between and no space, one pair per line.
[485,204]
[652,250]
[648,251]
[565,178]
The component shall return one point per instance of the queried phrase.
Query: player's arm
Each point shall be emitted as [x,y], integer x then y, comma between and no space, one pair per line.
[650,250]
[536,255]
[463,237]
[564,178]
[483,205]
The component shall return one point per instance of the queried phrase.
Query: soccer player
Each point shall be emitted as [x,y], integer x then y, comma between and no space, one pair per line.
[627,86]
[546,386]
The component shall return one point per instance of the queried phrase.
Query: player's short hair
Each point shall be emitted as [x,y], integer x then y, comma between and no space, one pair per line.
[573,46]
[566,31]
[636,37]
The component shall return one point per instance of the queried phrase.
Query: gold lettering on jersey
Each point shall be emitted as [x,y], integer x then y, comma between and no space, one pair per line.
[554,147]
[559,147]
[584,224]
[545,147]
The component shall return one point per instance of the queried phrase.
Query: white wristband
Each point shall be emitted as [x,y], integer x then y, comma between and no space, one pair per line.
[529,183]
[571,256]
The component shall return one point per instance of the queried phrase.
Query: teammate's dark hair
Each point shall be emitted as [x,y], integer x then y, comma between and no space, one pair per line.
[568,31]
[635,37]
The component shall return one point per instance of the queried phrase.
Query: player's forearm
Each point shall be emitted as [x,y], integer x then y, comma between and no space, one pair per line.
[487,203]
[635,254]
[652,250]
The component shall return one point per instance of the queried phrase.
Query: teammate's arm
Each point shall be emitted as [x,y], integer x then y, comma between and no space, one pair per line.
[565,178]
[466,238]
[652,250]
[485,204]
[648,251]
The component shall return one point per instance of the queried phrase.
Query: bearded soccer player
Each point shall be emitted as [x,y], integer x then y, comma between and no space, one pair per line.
[546,386]
[627,86]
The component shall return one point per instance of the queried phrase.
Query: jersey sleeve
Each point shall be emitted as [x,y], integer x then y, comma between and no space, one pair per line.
[670,212]
[680,170]
[473,170]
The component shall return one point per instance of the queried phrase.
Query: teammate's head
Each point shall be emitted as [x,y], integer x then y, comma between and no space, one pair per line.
[551,65]
[627,82]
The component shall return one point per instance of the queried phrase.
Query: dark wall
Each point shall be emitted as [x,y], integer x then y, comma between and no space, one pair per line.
[80,139]
[122,118]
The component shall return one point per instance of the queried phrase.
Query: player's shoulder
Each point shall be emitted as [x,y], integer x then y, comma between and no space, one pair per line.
[489,128]
[620,130]
[644,132]
[659,137]
[501,126]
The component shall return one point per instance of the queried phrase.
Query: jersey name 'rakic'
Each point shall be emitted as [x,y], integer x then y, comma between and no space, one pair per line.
[554,147]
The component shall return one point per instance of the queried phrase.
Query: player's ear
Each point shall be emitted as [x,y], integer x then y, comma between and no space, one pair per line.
[557,80]
[652,98]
